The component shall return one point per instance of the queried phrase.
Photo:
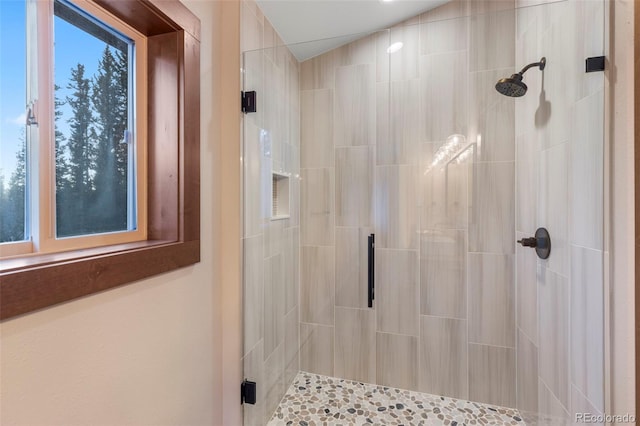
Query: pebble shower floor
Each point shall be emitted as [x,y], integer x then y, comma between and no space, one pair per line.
[314,400]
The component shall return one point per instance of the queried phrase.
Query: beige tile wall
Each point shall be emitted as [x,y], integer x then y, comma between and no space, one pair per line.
[560,181]
[444,238]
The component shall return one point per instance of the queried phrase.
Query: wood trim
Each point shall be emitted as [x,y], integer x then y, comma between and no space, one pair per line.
[154,17]
[636,132]
[36,282]
[36,288]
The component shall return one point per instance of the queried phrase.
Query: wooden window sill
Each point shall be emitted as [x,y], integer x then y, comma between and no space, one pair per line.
[33,282]
[36,282]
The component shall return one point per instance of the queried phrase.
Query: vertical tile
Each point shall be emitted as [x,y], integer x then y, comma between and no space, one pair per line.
[358,52]
[443,188]
[448,11]
[273,380]
[491,227]
[317,285]
[587,175]
[291,265]
[253,78]
[317,72]
[443,357]
[589,41]
[382,56]
[274,237]
[355,338]
[553,206]
[492,375]
[491,299]
[492,41]
[553,345]
[581,407]
[396,301]
[291,346]
[527,290]
[253,369]
[270,40]
[551,411]
[273,304]
[294,199]
[274,110]
[316,349]
[439,36]
[444,95]
[316,128]
[443,283]
[253,291]
[251,34]
[397,360]
[396,207]
[403,64]
[527,360]
[397,122]
[587,324]
[317,213]
[526,183]
[253,181]
[354,186]
[351,267]
[491,117]
[354,108]
[492,6]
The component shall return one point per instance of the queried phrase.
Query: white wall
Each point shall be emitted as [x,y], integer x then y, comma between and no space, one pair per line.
[620,131]
[145,353]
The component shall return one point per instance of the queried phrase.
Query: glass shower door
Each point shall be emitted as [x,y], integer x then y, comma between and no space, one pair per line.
[270,241]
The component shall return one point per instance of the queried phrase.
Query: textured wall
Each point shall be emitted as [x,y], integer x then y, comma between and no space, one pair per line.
[270,247]
[146,353]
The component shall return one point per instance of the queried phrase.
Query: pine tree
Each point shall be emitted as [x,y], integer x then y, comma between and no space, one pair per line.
[12,221]
[74,218]
[62,165]
[109,97]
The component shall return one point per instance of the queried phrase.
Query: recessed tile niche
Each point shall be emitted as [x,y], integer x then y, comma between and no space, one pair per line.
[280,196]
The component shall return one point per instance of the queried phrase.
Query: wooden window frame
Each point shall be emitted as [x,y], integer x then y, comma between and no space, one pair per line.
[173,176]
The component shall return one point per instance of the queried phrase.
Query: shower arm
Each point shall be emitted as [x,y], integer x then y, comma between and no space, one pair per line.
[540,64]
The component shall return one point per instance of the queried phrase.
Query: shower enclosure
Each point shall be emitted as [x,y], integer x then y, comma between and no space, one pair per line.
[413,144]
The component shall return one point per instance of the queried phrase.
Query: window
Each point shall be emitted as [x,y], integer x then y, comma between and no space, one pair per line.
[143,86]
[82,118]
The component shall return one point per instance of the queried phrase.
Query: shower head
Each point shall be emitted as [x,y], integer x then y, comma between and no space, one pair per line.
[513,86]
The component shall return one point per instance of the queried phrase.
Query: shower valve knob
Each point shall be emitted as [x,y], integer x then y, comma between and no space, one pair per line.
[528,242]
[541,242]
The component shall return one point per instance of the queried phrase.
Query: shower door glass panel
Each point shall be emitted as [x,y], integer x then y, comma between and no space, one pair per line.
[270,241]
[403,135]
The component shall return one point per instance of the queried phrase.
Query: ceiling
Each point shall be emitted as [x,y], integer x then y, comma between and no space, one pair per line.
[332,23]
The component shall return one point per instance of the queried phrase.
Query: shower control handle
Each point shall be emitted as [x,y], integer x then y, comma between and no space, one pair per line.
[541,242]
[529,242]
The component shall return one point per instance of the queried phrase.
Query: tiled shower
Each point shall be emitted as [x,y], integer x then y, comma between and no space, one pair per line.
[417,147]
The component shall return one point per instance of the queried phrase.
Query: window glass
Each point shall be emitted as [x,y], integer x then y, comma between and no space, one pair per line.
[13,169]
[94,147]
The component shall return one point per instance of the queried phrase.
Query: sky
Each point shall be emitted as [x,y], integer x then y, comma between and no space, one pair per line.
[72,46]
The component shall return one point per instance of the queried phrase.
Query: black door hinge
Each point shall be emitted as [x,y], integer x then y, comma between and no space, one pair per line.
[248,392]
[595,63]
[248,101]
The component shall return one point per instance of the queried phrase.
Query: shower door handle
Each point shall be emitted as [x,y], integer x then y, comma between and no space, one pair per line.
[371,287]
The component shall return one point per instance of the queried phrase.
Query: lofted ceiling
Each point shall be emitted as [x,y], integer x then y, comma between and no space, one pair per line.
[332,23]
